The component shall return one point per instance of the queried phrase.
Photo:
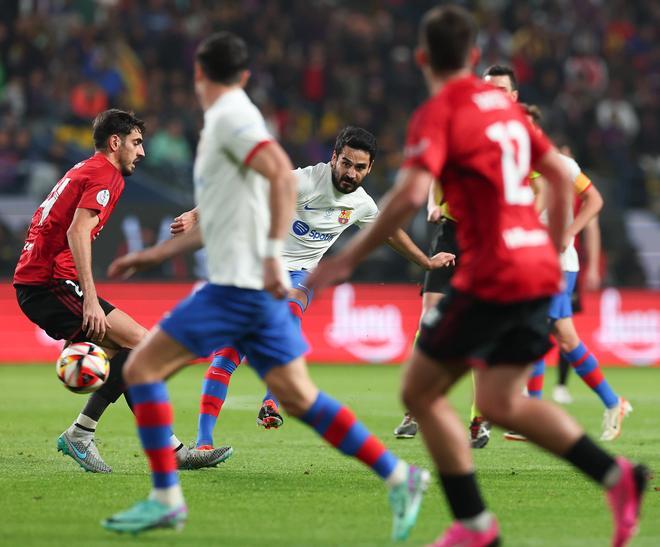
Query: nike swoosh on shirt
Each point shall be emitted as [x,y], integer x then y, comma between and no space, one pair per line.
[307,208]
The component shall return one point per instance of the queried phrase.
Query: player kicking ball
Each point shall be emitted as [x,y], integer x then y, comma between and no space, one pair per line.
[482,147]
[55,287]
[329,199]
[245,191]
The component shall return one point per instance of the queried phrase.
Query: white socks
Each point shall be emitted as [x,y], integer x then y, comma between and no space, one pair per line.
[171,496]
[83,428]
[398,474]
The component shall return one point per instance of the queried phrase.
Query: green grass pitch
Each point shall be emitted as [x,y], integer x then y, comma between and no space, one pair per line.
[286,487]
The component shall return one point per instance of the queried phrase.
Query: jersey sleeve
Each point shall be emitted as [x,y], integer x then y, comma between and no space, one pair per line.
[582,183]
[246,136]
[369,215]
[426,141]
[97,192]
[305,185]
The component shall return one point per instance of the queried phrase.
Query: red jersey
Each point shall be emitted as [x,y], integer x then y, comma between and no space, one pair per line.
[480,145]
[91,184]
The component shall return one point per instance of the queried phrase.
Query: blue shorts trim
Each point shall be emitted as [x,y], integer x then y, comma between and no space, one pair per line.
[560,305]
[252,321]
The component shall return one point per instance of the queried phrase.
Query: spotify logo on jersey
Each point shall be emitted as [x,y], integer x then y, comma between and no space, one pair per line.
[300,228]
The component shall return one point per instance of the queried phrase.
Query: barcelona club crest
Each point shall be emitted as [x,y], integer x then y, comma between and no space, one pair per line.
[344,216]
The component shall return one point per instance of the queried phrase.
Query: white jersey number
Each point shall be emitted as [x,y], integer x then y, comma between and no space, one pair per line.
[515,168]
[48,203]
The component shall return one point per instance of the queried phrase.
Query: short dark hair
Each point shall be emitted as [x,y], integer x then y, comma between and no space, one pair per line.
[502,70]
[533,112]
[358,138]
[222,57]
[448,33]
[114,122]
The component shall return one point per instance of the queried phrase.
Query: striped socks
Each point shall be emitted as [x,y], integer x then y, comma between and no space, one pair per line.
[586,366]
[153,414]
[214,392]
[535,382]
[339,427]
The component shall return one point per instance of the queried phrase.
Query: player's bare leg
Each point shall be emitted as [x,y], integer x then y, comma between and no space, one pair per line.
[156,358]
[78,441]
[499,396]
[425,385]
[336,423]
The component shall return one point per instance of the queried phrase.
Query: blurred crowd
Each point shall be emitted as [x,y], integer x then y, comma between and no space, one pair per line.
[593,66]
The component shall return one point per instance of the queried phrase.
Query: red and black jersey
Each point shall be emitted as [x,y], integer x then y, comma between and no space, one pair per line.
[91,184]
[480,145]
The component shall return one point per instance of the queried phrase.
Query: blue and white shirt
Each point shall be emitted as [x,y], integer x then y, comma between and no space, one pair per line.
[322,214]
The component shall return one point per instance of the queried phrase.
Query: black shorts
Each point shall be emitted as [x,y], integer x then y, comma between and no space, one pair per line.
[56,308]
[444,241]
[464,328]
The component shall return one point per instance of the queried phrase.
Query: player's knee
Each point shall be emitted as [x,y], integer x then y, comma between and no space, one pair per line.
[414,400]
[495,408]
[135,336]
[137,371]
[296,402]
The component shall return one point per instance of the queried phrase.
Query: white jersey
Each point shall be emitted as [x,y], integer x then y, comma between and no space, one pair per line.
[568,260]
[322,214]
[233,200]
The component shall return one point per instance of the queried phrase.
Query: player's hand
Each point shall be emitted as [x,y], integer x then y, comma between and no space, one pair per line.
[183,222]
[94,323]
[330,271]
[127,265]
[592,279]
[442,260]
[275,280]
[434,215]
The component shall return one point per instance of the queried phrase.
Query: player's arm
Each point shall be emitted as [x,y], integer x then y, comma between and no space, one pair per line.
[273,163]
[592,248]
[396,209]
[184,221]
[400,241]
[79,237]
[560,192]
[591,202]
[131,263]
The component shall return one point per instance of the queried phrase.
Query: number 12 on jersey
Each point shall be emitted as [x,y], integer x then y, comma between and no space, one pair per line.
[512,137]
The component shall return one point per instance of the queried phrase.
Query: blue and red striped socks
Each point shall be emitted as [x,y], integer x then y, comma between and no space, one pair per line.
[535,382]
[586,365]
[153,414]
[214,392]
[339,426]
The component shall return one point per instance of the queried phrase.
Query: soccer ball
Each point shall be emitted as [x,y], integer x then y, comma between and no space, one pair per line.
[83,367]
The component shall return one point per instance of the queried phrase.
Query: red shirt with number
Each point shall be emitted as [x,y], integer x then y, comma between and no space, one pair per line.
[93,184]
[480,145]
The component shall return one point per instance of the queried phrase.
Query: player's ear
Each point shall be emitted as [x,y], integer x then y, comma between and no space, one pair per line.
[421,57]
[114,142]
[474,57]
[333,159]
[245,76]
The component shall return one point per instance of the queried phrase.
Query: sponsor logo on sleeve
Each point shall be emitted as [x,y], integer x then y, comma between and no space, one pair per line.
[103,197]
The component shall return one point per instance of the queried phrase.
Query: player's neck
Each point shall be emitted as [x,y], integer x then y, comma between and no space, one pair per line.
[436,81]
[213,92]
[111,158]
